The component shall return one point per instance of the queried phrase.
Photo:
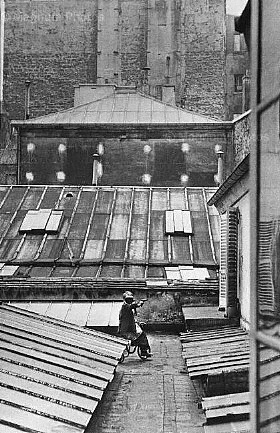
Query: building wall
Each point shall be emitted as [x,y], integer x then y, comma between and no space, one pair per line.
[203,28]
[237,63]
[126,158]
[67,42]
[53,44]
[244,259]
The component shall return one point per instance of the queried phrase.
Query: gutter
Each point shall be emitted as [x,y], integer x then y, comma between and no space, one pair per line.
[230,181]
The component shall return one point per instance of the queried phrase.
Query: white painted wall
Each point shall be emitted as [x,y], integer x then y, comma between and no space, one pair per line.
[244,259]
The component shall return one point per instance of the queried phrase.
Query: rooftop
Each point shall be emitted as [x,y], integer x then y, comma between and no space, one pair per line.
[123,107]
[107,232]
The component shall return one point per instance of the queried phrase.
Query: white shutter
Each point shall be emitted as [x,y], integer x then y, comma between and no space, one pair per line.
[169,221]
[187,223]
[178,221]
[54,221]
[223,262]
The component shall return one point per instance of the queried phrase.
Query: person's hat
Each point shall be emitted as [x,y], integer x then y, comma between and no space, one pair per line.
[127,295]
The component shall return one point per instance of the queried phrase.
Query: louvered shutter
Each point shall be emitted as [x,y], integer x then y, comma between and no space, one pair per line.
[223,262]
[228,259]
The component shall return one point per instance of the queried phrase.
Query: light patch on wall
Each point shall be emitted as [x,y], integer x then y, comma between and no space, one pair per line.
[61,148]
[30,147]
[60,175]
[146,179]
[29,176]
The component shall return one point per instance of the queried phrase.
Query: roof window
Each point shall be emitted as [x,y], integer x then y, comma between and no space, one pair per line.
[41,221]
[178,222]
[7,270]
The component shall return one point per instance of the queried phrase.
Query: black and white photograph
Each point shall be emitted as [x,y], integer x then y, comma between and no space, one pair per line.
[139,216]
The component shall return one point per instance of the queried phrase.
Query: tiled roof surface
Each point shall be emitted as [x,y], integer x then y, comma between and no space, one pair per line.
[123,108]
[53,374]
[107,232]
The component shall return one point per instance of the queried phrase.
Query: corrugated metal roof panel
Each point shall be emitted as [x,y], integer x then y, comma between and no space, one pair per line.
[118,222]
[119,108]
[52,374]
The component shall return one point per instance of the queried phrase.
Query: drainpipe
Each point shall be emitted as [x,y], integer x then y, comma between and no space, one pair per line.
[27,99]
[219,175]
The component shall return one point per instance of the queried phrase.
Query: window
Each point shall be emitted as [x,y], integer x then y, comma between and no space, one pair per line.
[186,273]
[237,43]
[178,222]
[238,83]
[7,270]
[42,221]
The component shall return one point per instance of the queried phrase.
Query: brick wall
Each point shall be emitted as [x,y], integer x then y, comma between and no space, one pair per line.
[241,138]
[203,30]
[54,45]
[60,44]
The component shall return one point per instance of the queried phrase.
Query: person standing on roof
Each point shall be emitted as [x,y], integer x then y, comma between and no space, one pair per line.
[129,328]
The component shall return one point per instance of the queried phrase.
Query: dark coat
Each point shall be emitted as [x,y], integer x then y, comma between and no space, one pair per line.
[126,319]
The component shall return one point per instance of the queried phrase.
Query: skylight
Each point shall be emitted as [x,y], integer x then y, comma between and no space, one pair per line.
[43,221]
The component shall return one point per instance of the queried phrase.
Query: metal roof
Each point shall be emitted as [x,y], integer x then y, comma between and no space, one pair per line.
[106,232]
[92,314]
[123,108]
[53,374]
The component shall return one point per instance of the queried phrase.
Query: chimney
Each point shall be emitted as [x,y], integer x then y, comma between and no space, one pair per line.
[246,92]
[92,92]
[168,94]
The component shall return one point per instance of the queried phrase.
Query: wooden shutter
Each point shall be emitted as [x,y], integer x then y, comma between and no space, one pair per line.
[228,259]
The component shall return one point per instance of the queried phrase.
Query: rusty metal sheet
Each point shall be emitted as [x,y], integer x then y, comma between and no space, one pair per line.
[199,223]
[139,226]
[119,226]
[13,199]
[29,248]
[32,198]
[72,249]
[180,250]
[87,271]
[158,252]
[123,198]
[157,229]
[86,201]
[196,199]
[156,272]
[50,197]
[52,249]
[4,222]
[104,201]
[202,253]
[79,226]
[40,271]
[93,249]
[136,272]
[63,271]
[137,250]
[111,271]
[115,250]
[98,227]
[140,202]
[159,199]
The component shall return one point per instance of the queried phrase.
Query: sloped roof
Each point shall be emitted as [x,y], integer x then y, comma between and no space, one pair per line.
[129,107]
[53,374]
[106,232]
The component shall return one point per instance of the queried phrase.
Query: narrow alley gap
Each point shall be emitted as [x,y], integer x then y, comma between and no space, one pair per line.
[154,396]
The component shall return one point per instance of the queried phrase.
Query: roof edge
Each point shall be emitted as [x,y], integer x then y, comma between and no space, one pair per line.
[236,175]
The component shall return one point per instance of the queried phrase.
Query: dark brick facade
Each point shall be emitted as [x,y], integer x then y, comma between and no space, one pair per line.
[53,44]
[60,44]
